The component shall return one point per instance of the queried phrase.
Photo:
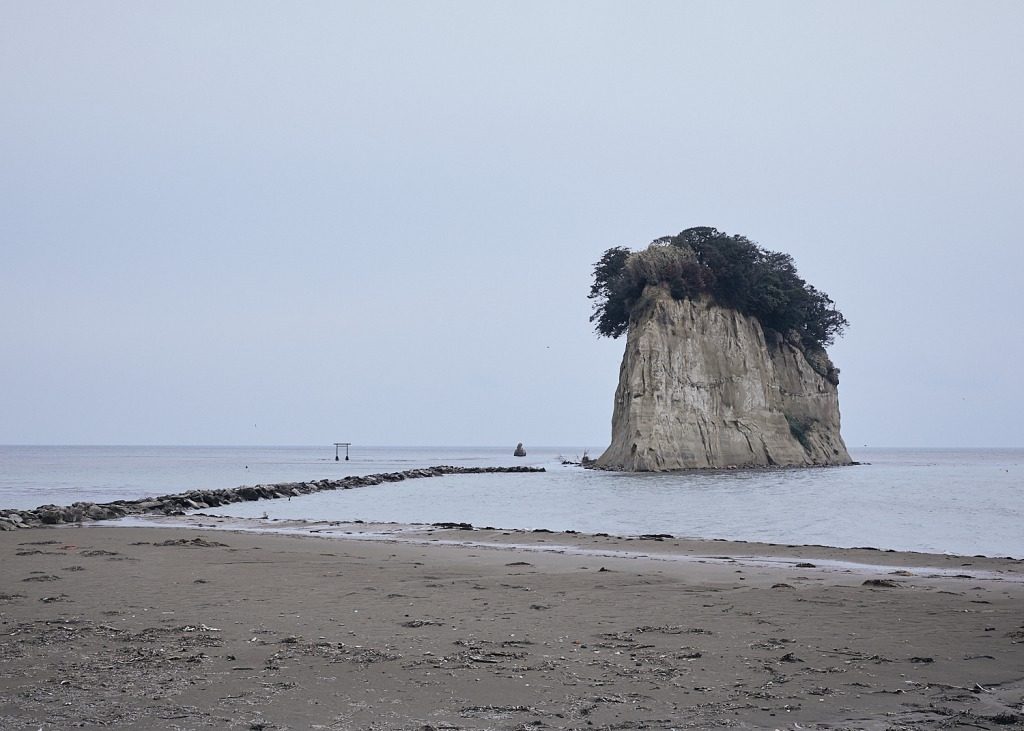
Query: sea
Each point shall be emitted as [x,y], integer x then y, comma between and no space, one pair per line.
[957,501]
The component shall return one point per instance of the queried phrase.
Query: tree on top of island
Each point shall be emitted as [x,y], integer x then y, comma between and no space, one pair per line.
[734,271]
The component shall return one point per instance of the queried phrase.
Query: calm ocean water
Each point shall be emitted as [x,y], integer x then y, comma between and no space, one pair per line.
[954,501]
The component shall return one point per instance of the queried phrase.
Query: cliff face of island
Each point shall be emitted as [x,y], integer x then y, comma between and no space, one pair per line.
[704,386]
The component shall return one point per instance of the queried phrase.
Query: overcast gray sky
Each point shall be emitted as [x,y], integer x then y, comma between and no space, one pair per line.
[296,223]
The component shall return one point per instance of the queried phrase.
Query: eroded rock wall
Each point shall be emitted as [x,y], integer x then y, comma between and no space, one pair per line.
[701,386]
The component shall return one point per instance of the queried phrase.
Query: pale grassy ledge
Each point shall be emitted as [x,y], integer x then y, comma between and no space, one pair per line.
[200,499]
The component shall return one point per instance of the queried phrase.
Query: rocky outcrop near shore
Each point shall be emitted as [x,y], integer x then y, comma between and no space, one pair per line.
[202,499]
[703,386]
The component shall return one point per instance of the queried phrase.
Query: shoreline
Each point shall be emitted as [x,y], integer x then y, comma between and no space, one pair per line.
[808,506]
[369,530]
[142,627]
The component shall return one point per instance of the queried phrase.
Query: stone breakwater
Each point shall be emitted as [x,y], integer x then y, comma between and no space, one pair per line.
[201,499]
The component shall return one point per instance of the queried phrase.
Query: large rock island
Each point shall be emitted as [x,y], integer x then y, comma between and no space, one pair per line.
[704,384]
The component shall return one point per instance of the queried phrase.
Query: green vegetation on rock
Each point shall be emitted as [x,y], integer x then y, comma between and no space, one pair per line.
[732,270]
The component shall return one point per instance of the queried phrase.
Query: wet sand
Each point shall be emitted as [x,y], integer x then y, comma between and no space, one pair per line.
[179,628]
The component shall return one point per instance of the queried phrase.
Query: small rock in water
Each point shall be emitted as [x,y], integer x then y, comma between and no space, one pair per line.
[520,452]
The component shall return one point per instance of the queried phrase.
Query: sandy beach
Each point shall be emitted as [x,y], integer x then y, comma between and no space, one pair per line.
[176,628]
